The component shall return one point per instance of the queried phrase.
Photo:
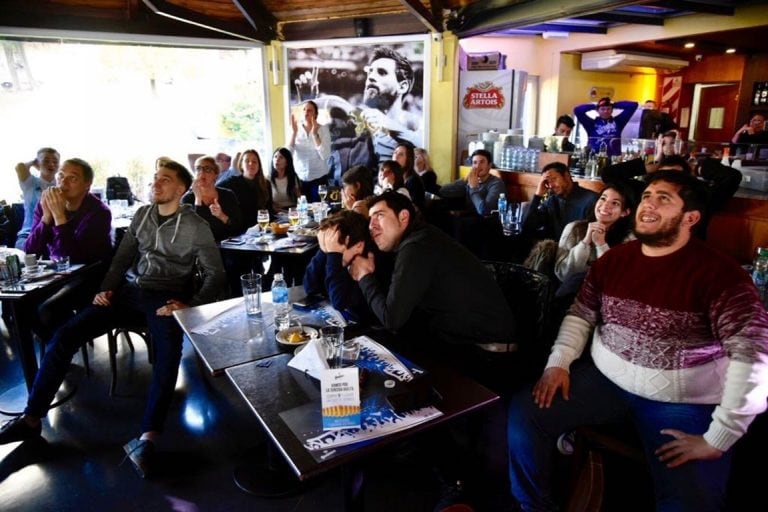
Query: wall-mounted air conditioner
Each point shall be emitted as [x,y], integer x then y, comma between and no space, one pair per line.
[630,62]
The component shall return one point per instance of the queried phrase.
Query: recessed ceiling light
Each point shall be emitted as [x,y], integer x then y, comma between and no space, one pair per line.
[730,50]
[690,45]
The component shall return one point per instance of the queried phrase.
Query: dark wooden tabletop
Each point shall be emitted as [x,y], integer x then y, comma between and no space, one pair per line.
[251,339]
[270,389]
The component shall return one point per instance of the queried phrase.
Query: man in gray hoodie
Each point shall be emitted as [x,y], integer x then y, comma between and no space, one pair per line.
[150,276]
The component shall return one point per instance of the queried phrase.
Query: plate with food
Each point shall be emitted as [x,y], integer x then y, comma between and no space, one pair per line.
[296,336]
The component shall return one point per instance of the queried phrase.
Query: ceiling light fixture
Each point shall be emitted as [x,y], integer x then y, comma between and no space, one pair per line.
[689,45]
[730,50]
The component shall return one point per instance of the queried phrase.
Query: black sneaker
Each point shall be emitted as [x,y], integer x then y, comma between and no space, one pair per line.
[18,429]
[453,499]
[142,456]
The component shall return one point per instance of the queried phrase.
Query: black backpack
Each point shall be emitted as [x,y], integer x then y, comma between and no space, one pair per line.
[119,188]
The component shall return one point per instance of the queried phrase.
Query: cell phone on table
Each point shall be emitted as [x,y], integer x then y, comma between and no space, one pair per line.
[308,302]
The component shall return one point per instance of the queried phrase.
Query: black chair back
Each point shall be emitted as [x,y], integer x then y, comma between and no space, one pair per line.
[529,294]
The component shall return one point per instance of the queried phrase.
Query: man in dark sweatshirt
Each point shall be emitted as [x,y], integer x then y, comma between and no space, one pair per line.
[438,288]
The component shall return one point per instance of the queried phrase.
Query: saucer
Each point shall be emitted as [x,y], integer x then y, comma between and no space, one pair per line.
[284,337]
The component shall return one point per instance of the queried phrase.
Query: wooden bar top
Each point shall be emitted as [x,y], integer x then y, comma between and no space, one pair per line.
[738,229]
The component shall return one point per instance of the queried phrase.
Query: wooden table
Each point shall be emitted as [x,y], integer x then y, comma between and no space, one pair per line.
[19,309]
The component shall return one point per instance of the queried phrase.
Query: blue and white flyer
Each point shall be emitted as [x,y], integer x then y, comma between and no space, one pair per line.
[340,398]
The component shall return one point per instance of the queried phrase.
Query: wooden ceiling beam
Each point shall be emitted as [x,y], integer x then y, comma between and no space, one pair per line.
[174,12]
[701,7]
[259,17]
[417,9]
[625,17]
[485,17]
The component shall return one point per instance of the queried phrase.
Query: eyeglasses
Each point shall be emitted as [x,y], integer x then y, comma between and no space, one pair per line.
[206,168]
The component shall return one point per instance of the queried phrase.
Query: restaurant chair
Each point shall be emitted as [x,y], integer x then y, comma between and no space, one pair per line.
[529,296]
[112,336]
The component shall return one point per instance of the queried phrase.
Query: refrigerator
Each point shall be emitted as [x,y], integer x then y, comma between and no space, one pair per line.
[489,100]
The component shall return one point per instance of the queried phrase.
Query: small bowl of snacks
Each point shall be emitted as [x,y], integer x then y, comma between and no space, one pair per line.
[295,336]
[279,229]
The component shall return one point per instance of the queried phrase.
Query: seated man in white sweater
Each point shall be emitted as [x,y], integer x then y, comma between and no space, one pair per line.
[680,350]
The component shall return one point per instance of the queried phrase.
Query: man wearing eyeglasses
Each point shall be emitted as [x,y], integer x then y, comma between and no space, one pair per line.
[69,221]
[389,77]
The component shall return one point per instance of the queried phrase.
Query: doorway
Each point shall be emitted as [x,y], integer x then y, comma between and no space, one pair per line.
[714,112]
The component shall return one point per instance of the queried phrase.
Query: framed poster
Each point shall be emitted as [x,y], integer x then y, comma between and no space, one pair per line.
[371,93]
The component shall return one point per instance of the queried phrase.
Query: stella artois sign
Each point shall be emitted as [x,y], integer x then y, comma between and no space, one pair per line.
[484,95]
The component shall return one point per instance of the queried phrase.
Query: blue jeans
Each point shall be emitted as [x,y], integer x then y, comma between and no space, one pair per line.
[129,304]
[594,400]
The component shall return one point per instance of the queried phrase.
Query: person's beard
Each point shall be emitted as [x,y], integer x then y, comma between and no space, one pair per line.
[665,236]
[375,98]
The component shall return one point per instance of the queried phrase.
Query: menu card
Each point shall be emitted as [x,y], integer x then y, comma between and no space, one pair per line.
[340,398]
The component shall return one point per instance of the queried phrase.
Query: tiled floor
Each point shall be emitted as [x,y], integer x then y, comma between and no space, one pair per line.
[209,432]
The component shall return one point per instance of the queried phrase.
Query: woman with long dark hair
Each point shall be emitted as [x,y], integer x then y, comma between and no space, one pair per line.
[251,187]
[285,184]
[609,224]
[404,155]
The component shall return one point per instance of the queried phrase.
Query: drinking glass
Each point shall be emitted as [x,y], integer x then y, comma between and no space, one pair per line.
[322,191]
[62,263]
[251,285]
[350,351]
[262,217]
[511,221]
[293,217]
[333,339]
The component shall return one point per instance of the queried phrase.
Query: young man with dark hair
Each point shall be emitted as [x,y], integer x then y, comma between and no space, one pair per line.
[441,299]
[150,277]
[605,128]
[680,355]
[341,237]
[480,190]
[720,181]
[438,287]
[563,128]
[557,201]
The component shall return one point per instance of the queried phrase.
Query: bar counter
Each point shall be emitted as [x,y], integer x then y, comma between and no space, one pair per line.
[738,229]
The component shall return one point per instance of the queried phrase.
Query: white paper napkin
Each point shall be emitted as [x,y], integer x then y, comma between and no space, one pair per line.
[310,359]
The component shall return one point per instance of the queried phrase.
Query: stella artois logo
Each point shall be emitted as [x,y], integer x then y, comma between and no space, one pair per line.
[484,95]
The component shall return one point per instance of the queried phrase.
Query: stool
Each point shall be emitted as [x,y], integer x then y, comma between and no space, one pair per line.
[591,444]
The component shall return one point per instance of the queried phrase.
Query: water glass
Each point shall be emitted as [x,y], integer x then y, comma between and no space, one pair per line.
[511,221]
[350,351]
[333,340]
[30,260]
[251,284]
[8,274]
[62,263]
